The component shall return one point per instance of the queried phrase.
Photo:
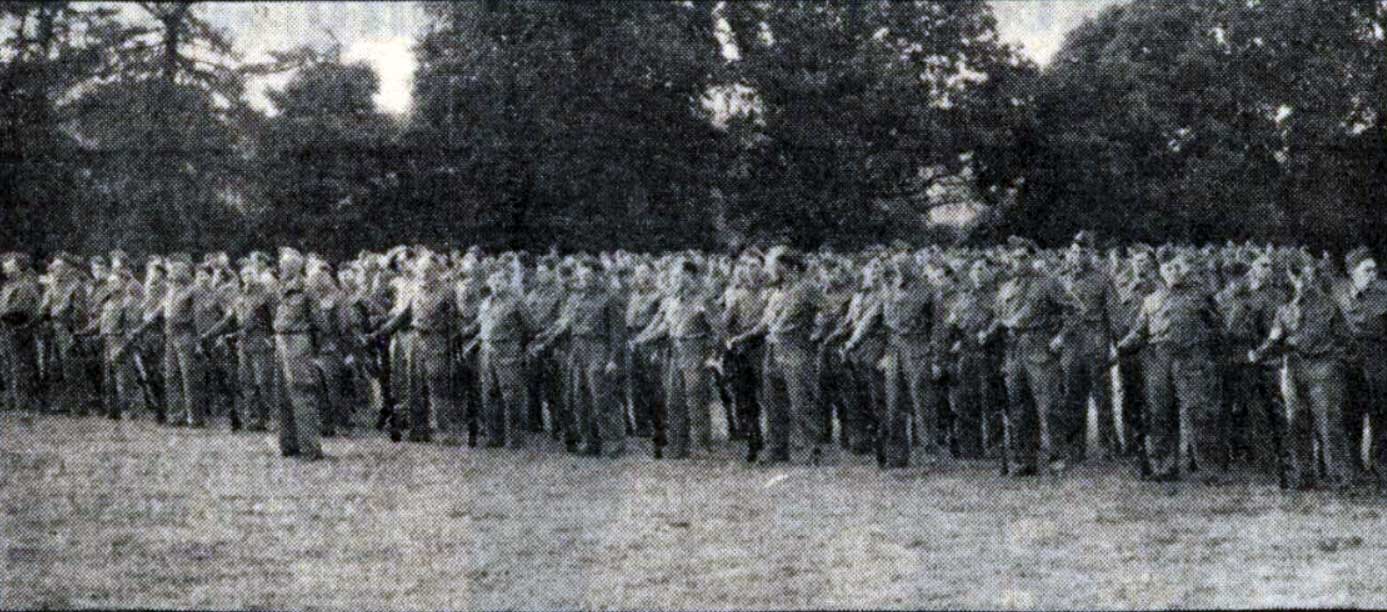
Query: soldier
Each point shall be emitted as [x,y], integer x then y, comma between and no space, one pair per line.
[543,299]
[1137,280]
[430,313]
[328,298]
[1028,309]
[251,318]
[1087,336]
[296,327]
[834,379]
[642,373]
[216,357]
[148,350]
[1248,306]
[743,304]
[1176,330]
[593,322]
[1313,330]
[178,311]
[789,379]
[1363,298]
[906,312]
[118,315]
[502,327]
[866,380]
[19,314]
[685,319]
[64,306]
[969,366]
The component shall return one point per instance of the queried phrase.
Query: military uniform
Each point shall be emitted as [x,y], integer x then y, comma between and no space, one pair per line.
[251,318]
[972,389]
[789,378]
[503,328]
[544,373]
[1176,330]
[867,381]
[645,362]
[593,323]
[1130,292]
[1256,420]
[1316,333]
[1084,360]
[118,316]
[1028,308]
[1366,315]
[296,328]
[19,312]
[430,313]
[742,306]
[64,304]
[684,318]
[835,382]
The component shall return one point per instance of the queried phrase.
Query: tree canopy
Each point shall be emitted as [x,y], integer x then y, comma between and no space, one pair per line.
[662,125]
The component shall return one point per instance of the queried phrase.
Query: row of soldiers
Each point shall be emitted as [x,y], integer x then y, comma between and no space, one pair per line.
[1192,359]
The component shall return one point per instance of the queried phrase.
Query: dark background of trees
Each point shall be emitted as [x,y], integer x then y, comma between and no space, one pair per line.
[588,125]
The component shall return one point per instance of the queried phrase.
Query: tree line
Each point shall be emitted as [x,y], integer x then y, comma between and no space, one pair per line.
[698,124]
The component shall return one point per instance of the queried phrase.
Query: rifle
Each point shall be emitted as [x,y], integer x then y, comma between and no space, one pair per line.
[473,409]
[377,365]
[147,388]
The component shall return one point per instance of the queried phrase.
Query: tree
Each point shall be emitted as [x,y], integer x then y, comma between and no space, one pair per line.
[1205,121]
[169,135]
[579,123]
[327,154]
[863,103]
[48,51]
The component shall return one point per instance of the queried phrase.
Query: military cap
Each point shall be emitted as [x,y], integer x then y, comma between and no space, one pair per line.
[784,256]
[1017,243]
[22,260]
[1084,239]
[1167,253]
[1356,257]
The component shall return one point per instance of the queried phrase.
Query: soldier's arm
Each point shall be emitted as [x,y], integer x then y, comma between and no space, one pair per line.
[656,329]
[396,322]
[864,326]
[227,324]
[1137,335]
[616,324]
[1274,341]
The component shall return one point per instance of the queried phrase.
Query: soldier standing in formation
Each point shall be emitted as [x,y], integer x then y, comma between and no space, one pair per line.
[914,362]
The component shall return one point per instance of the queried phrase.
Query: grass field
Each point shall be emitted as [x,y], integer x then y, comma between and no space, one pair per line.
[95,513]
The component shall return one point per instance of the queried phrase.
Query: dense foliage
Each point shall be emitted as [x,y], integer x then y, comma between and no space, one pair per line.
[653,125]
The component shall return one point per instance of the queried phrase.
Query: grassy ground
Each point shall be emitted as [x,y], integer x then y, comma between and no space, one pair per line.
[94,513]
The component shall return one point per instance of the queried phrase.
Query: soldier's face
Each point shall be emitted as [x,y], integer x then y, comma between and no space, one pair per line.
[1365,272]
[11,268]
[583,277]
[1260,271]
[1175,271]
[978,273]
[180,274]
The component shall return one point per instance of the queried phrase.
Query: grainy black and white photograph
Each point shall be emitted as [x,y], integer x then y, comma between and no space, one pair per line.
[693,304]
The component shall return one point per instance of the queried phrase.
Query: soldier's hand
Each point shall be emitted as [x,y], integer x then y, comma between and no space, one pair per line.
[1253,357]
[935,372]
[982,337]
[611,366]
[1056,343]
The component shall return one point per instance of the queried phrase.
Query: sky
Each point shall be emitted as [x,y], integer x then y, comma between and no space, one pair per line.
[382,34]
